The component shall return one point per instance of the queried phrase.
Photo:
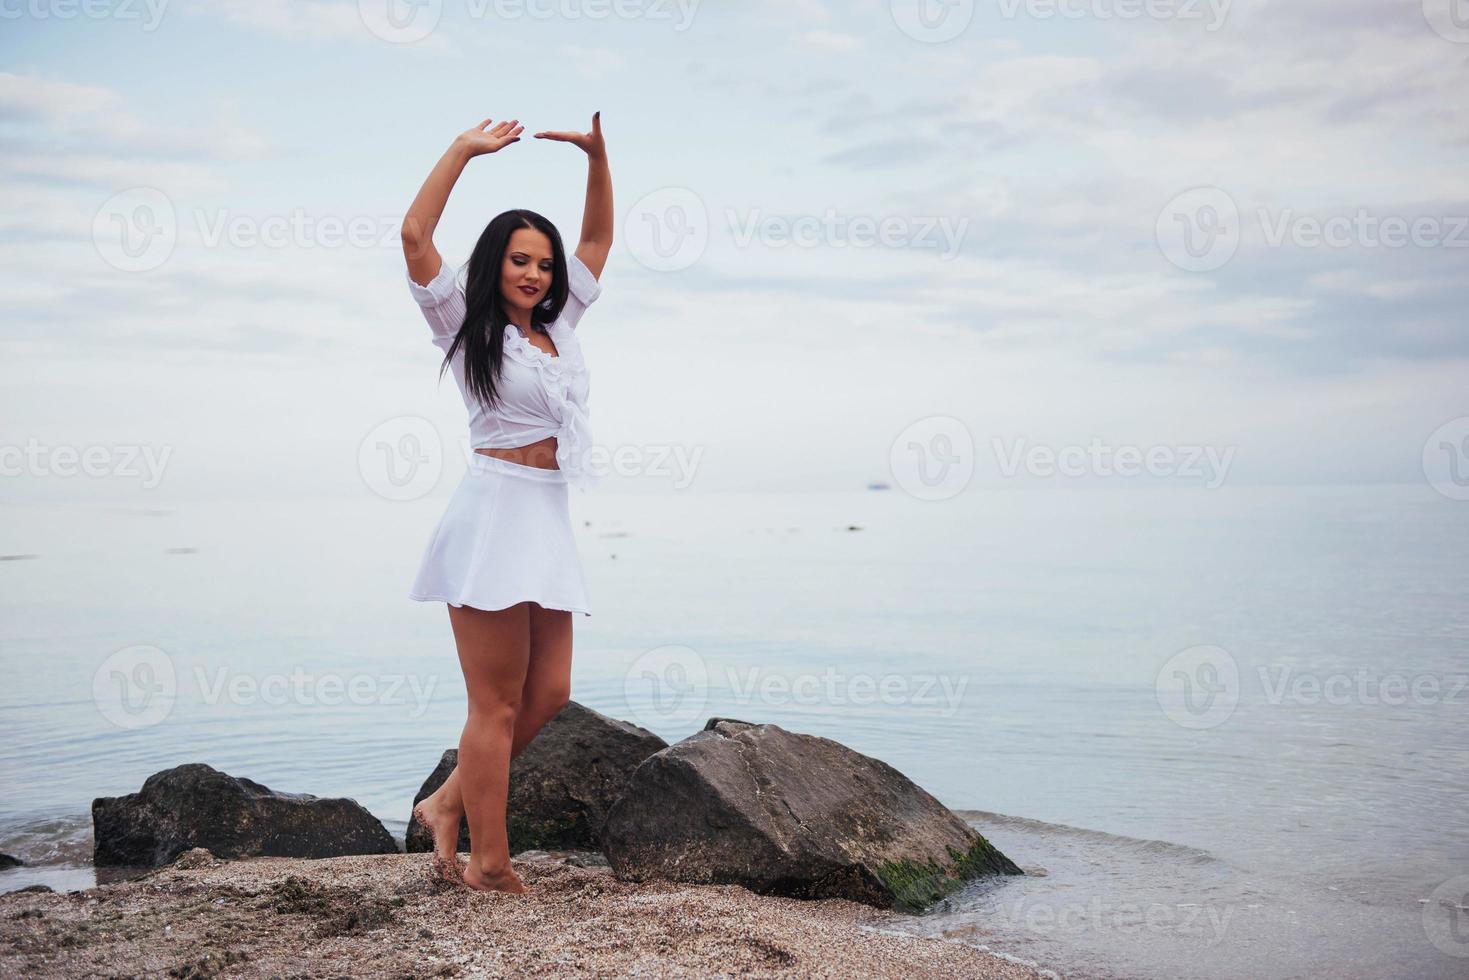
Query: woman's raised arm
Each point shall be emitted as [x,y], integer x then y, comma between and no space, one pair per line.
[423,215]
[596,220]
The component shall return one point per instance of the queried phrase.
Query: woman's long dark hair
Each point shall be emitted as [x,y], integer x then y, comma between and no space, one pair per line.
[482,334]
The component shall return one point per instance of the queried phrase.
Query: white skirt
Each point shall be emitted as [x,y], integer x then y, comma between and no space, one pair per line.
[505,538]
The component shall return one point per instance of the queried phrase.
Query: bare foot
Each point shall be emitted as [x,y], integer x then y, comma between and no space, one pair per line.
[445,829]
[451,872]
[497,880]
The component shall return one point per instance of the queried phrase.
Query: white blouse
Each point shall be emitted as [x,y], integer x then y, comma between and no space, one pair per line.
[541,395]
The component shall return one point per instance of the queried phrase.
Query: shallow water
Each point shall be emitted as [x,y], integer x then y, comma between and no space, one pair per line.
[1101,905]
[1003,649]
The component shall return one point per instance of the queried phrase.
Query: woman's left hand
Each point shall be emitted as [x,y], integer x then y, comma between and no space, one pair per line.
[590,142]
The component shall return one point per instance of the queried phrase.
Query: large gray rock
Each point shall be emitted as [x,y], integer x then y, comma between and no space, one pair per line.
[196,805]
[561,785]
[789,814]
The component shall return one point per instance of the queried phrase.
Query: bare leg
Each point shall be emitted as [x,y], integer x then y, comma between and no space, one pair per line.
[548,675]
[547,689]
[494,651]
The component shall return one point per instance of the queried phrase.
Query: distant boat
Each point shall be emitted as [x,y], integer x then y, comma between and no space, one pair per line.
[878,485]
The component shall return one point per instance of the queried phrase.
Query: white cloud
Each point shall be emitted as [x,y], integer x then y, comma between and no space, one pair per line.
[294,20]
[782,11]
[593,62]
[828,41]
[90,120]
[49,101]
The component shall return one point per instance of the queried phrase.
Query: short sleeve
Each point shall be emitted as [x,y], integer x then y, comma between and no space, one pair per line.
[582,290]
[442,303]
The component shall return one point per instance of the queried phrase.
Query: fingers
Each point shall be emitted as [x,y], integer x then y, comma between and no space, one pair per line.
[512,128]
[571,137]
[505,127]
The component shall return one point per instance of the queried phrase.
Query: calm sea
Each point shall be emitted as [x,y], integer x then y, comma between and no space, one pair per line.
[1225,730]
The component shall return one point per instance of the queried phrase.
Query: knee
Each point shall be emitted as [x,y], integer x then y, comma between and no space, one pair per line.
[494,711]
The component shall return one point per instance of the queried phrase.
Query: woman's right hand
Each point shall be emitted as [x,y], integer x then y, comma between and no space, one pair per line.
[480,140]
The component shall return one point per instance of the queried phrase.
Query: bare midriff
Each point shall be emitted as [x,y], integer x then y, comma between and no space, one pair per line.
[541,455]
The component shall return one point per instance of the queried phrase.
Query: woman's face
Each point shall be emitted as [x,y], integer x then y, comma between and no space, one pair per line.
[525,276]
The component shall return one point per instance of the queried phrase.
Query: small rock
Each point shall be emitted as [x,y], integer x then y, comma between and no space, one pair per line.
[196,805]
[195,857]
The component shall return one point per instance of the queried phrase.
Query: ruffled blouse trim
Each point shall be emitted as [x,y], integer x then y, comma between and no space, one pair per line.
[518,343]
[573,438]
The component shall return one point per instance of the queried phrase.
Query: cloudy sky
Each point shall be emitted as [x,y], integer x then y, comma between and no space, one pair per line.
[851,232]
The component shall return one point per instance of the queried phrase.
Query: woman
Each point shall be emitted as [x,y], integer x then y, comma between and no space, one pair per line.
[503,556]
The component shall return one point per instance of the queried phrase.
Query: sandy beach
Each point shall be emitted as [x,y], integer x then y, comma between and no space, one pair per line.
[382,915]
